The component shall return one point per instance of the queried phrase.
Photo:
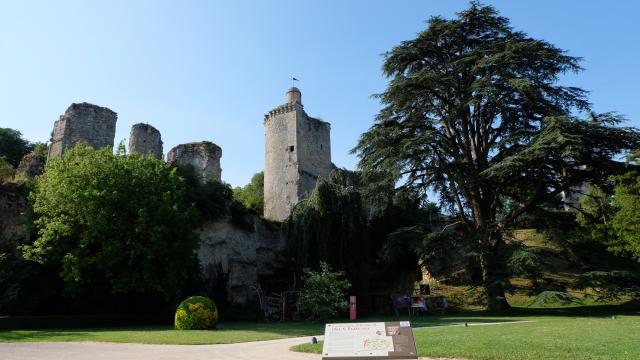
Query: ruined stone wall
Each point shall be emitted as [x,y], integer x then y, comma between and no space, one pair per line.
[297,153]
[13,206]
[203,156]
[83,123]
[237,256]
[146,140]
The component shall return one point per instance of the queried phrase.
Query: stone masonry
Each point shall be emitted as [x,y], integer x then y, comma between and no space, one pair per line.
[83,123]
[203,156]
[146,140]
[297,154]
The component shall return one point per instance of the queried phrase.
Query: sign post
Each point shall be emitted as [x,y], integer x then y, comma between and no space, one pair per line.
[374,340]
[352,308]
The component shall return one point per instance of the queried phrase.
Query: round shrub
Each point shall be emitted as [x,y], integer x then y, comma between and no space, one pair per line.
[196,313]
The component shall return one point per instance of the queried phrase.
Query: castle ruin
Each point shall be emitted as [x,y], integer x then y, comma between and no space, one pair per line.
[297,154]
[203,156]
[83,123]
[145,140]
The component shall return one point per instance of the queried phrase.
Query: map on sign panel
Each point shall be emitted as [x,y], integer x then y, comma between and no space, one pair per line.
[374,340]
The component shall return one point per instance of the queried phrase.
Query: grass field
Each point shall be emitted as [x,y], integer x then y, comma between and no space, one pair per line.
[587,332]
[226,333]
[542,337]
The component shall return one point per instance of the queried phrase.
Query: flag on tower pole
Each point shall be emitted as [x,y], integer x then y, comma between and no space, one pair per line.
[292,80]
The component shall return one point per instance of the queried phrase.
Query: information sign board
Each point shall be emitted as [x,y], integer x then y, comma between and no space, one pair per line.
[373,340]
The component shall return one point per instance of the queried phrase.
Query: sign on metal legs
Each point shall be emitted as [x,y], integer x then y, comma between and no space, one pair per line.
[374,340]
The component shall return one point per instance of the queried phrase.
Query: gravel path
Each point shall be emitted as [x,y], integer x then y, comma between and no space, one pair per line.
[267,350]
[257,350]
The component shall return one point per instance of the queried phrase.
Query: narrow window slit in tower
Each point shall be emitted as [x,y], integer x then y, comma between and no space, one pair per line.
[291,148]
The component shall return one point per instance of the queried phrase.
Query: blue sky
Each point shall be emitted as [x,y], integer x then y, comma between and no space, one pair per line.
[210,70]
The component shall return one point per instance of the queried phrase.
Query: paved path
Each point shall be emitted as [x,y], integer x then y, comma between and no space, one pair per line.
[257,350]
[262,350]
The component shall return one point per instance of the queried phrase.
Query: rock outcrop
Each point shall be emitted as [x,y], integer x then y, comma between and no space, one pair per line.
[31,165]
[237,257]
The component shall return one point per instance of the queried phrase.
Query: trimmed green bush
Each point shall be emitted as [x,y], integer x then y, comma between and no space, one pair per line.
[196,313]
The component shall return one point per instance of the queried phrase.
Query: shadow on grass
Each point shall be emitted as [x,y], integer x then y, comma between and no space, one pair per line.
[42,335]
[629,308]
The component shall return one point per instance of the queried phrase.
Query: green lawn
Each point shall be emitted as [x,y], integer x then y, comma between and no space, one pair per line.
[225,334]
[545,337]
[571,333]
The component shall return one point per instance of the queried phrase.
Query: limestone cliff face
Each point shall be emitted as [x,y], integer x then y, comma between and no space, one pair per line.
[13,206]
[236,256]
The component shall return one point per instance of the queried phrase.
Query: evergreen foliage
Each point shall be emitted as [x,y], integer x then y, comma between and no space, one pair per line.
[626,218]
[611,285]
[473,111]
[554,299]
[527,262]
[196,313]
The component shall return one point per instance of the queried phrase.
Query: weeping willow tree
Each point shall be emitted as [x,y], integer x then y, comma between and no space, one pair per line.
[327,226]
[340,224]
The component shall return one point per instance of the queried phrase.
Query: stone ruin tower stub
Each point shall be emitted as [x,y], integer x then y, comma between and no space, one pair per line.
[145,140]
[83,123]
[203,156]
[297,154]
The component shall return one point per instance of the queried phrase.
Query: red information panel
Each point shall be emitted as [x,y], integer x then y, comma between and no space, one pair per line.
[373,340]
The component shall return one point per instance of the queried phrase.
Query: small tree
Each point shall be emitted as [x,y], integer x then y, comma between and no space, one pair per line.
[13,146]
[626,218]
[252,194]
[323,293]
[527,262]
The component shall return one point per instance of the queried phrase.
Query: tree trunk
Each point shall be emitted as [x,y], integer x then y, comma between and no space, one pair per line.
[493,275]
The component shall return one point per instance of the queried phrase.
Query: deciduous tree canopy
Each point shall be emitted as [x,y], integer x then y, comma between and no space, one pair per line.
[13,146]
[114,221]
[252,194]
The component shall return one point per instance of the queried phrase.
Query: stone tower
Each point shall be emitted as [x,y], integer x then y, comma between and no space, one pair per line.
[145,140]
[83,123]
[297,154]
[203,156]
